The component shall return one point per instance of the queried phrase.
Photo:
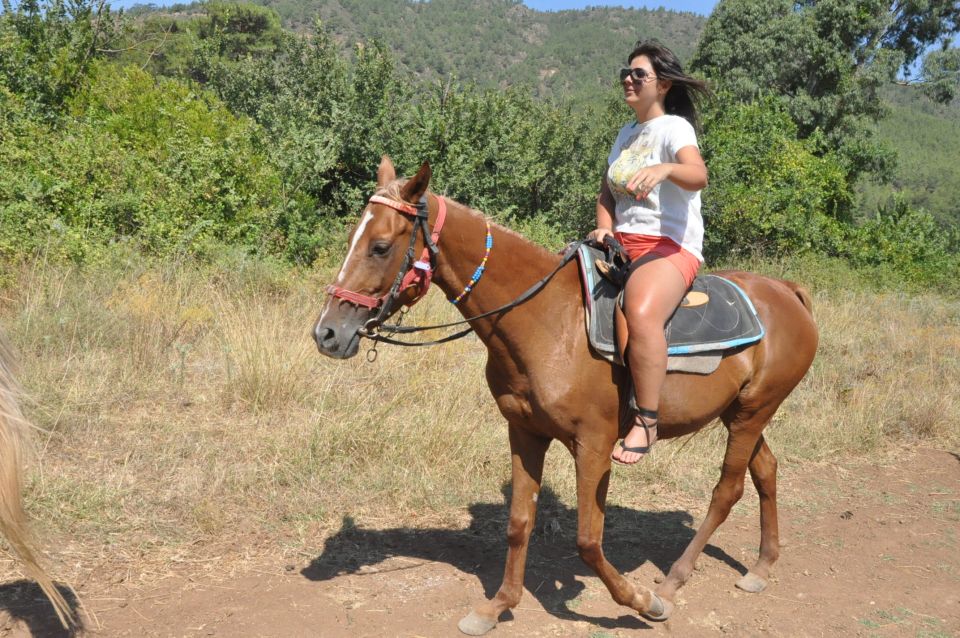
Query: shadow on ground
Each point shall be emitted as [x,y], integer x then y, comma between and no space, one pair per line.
[23,600]
[631,538]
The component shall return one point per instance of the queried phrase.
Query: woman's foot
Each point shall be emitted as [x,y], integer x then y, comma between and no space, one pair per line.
[638,441]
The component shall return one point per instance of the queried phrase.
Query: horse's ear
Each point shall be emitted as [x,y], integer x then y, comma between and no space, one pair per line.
[417,186]
[386,173]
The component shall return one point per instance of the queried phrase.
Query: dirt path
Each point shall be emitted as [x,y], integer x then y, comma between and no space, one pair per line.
[868,551]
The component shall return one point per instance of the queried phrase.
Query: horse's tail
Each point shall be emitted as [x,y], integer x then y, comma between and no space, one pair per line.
[13,520]
[802,294]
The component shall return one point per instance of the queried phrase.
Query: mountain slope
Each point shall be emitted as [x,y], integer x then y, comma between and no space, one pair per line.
[925,136]
[499,42]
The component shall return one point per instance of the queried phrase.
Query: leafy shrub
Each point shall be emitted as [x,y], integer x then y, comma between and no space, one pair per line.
[139,158]
[242,28]
[503,152]
[911,242]
[769,192]
[268,142]
[47,46]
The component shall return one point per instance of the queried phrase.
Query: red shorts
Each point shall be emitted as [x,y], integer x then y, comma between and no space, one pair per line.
[639,245]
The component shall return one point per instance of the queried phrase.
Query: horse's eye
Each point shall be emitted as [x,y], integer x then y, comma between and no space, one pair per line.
[380,248]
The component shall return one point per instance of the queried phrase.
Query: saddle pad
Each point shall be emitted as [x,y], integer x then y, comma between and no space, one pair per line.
[716,315]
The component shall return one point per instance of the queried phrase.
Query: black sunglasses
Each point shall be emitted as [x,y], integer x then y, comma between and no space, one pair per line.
[637,75]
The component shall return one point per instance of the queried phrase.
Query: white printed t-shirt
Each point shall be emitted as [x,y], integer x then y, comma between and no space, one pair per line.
[668,210]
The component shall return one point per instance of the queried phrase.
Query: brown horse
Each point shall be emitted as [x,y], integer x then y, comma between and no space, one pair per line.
[549,385]
[13,520]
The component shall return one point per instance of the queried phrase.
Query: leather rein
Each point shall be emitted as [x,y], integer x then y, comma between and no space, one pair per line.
[420,273]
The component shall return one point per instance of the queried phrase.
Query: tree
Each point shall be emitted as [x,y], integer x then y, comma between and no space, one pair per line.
[46,47]
[769,192]
[941,74]
[244,29]
[828,59]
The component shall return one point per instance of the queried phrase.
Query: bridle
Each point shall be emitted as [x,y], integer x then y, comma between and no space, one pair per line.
[417,273]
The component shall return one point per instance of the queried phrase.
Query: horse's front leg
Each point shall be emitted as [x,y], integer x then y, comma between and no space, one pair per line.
[593,478]
[528,452]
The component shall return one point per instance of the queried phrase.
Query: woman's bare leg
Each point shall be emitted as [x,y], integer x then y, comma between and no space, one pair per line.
[653,292]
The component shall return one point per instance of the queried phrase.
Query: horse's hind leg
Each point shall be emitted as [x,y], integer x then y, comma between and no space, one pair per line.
[763,471]
[527,452]
[741,444]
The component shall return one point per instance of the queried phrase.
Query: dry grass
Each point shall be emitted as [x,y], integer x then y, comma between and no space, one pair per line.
[189,416]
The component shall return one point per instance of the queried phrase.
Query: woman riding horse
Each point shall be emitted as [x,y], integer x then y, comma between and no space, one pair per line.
[545,379]
[650,197]
[550,386]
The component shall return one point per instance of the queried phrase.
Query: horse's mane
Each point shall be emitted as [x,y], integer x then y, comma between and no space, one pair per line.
[392,190]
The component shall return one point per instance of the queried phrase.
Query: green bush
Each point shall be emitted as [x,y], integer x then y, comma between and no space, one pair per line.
[909,241]
[268,141]
[769,192]
[514,157]
[138,158]
[328,123]
[47,46]
[243,29]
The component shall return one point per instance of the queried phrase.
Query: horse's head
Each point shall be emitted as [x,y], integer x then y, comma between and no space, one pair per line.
[383,269]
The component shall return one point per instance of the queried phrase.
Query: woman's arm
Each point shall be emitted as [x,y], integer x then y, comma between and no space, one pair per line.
[605,208]
[689,173]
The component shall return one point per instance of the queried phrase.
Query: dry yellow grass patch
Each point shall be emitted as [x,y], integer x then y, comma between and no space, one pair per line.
[189,416]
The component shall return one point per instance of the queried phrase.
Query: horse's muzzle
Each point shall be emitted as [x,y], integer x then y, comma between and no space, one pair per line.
[338,342]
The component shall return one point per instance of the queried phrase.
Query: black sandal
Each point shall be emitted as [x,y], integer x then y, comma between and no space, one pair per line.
[650,428]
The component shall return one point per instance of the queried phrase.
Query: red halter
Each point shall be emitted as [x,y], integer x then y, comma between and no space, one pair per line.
[420,273]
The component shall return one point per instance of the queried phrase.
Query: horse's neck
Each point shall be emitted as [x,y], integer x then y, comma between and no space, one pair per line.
[514,264]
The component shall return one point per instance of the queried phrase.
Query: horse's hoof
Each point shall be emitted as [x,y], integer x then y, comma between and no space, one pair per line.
[660,609]
[752,583]
[473,624]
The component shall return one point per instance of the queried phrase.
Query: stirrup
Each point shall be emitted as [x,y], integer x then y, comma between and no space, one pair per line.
[611,272]
[616,267]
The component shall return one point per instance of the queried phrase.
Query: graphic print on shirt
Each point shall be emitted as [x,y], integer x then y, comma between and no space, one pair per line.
[634,155]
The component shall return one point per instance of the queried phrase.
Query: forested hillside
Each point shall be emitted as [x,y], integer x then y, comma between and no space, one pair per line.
[571,55]
[926,137]
[494,42]
[211,126]
[501,42]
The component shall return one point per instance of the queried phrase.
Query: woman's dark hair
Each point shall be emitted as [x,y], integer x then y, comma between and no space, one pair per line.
[685,92]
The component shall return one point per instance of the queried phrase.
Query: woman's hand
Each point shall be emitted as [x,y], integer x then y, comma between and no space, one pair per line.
[598,234]
[647,178]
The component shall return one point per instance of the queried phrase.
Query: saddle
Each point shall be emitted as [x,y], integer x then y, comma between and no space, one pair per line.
[714,317]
